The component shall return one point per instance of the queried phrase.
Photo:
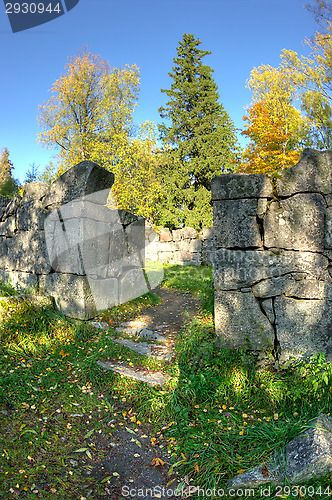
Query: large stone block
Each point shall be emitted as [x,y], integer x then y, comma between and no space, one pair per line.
[165,235]
[12,207]
[168,246]
[8,227]
[235,224]
[30,216]
[177,234]
[312,174]
[84,237]
[234,269]
[296,223]
[132,284]
[82,180]
[72,294]
[328,228]
[27,252]
[135,239]
[306,457]
[34,191]
[3,251]
[105,292]
[4,201]
[303,327]
[274,286]
[240,322]
[311,289]
[192,246]
[233,186]
[188,233]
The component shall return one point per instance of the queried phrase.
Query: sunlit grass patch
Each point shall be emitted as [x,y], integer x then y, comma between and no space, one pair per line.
[31,331]
[193,279]
[129,309]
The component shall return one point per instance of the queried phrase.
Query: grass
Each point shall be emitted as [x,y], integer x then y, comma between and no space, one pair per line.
[220,415]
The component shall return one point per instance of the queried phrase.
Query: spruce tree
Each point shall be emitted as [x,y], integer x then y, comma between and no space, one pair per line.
[8,185]
[199,140]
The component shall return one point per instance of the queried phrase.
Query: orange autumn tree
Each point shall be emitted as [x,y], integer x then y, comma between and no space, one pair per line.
[271,147]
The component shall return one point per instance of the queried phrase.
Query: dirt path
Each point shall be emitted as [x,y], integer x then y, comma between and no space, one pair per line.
[138,463]
[172,310]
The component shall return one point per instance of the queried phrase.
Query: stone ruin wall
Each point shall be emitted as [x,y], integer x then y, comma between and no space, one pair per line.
[183,246]
[273,259]
[25,259]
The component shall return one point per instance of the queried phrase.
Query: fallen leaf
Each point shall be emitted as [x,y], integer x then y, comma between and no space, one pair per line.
[265,471]
[129,430]
[106,479]
[157,461]
[136,441]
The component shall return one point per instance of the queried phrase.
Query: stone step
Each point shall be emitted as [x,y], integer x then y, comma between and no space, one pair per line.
[151,378]
[160,351]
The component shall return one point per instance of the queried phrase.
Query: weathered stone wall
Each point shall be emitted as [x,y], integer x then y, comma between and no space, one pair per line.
[63,240]
[181,246]
[273,259]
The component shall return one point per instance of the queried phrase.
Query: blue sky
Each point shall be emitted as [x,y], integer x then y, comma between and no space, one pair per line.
[241,34]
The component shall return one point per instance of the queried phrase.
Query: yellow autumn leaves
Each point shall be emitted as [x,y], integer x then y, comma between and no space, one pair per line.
[90,117]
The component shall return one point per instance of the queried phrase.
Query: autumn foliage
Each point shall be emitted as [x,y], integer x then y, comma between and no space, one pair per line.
[270,148]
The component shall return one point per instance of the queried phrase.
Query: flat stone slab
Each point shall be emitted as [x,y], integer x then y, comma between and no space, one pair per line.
[100,324]
[144,333]
[162,353]
[151,378]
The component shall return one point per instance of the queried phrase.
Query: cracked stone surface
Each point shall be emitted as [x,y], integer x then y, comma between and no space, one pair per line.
[276,248]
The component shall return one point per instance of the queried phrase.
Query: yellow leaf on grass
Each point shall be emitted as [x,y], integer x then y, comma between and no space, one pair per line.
[157,461]
[241,432]
[240,471]
[196,466]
